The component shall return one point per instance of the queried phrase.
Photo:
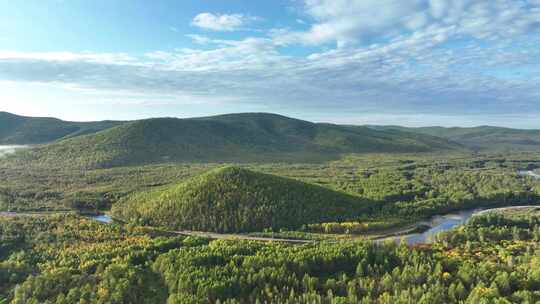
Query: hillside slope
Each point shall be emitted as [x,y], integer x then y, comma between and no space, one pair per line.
[484,137]
[22,130]
[232,199]
[250,137]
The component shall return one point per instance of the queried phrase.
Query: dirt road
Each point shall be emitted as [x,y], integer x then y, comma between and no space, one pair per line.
[221,236]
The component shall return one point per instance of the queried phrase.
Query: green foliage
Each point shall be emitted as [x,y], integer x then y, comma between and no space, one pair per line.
[484,138]
[36,130]
[241,138]
[27,187]
[412,188]
[457,271]
[493,259]
[66,259]
[87,201]
[405,187]
[232,199]
[353,227]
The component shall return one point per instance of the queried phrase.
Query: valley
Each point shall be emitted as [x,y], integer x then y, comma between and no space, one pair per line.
[284,210]
[270,152]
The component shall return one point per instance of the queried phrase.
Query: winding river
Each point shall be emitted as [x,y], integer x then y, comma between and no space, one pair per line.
[446,222]
[436,224]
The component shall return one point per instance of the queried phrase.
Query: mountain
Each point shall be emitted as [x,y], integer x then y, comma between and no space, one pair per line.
[232,199]
[248,137]
[22,130]
[483,138]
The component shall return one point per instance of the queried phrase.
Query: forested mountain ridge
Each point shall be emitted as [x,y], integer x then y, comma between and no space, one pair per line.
[232,199]
[247,137]
[22,130]
[482,138]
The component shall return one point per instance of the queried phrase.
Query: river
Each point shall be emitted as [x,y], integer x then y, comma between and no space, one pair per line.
[446,222]
[532,174]
[437,223]
[102,218]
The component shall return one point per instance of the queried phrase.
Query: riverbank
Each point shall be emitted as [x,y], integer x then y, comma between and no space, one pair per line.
[423,232]
[530,173]
[446,222]
[508,209]
[35,213]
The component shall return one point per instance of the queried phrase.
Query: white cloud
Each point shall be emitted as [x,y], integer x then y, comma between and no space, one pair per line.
[106,58]
[222,22]
[347,22]
[410,73]
[397,57]
[249,53]
[199,39]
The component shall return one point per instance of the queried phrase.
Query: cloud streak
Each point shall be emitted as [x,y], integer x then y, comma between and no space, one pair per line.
[420,57]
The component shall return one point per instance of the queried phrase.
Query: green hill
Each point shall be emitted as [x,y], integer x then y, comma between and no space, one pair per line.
[250,137]
[484,138]
[22,130]
[232,199]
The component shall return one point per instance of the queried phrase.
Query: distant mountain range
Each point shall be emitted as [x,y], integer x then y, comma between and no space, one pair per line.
[482,138]
[249,137]
[22,130]
[245,137]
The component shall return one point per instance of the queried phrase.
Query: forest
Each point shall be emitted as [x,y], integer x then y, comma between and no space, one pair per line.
[233,199]
[67,258]
[270,152]
[404,186]
[241,137]
[495,258]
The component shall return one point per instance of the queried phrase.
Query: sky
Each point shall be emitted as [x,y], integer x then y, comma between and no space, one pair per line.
[398,62]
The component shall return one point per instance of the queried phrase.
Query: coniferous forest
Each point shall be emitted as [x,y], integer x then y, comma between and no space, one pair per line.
[270,152]
[57,256]
[67,259]
[337,230]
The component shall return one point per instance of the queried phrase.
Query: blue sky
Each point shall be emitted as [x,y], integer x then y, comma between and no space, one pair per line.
[407,62]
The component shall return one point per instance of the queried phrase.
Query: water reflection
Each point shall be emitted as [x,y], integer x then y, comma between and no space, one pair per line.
[102,218]
[437,224]
[446,222]
[529,173]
